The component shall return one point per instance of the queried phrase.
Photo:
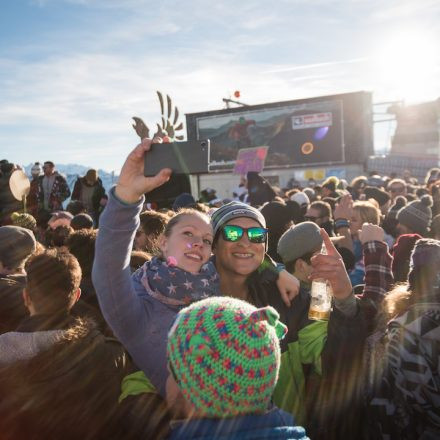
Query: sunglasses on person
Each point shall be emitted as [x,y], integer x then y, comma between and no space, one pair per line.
[235,233]
[310,218]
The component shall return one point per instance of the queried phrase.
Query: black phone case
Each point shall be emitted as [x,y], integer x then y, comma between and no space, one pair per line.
[181,157]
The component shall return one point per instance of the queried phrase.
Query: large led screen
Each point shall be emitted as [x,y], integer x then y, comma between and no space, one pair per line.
[297,134]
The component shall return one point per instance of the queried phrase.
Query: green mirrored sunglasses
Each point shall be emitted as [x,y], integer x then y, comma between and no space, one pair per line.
[235,233]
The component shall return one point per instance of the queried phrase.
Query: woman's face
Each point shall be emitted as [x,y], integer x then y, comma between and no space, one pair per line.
[241,257]
[189,243]
[355,223]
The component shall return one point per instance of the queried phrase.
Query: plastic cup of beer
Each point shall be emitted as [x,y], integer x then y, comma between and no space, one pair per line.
[320,300]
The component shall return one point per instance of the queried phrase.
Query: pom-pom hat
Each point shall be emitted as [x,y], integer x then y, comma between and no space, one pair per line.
[225,355]
[417,215]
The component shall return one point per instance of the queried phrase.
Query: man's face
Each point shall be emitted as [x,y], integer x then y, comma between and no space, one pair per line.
[402,229]
[355,223]
[313,215]
[241,257]
[325,192]
[48,169]
[303,269]
[397,189]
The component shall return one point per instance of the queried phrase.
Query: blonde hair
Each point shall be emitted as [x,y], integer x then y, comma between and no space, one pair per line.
[397,300]
[368,212]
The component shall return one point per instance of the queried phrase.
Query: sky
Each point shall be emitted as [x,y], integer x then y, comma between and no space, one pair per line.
[74,72]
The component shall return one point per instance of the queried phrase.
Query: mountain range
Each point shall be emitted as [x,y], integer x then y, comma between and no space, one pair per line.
[72,171]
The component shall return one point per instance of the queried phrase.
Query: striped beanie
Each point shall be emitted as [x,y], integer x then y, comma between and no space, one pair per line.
[235,210]
[225,355]
[417,215]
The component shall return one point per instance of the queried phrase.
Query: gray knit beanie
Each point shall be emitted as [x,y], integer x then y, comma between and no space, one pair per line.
[298,241]
[235,210]
[16,245]
[417,215]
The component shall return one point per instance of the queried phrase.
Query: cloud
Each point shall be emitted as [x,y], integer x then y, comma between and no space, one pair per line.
[314,66]
[398,9]
[79,87]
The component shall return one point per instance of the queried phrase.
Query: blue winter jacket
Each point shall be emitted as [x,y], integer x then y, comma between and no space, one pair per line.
[273,425]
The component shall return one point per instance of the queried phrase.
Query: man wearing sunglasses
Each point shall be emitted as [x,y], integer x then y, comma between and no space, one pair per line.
[320,212]
[240,242]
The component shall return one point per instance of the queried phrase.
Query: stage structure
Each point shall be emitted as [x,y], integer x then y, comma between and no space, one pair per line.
[416,142]
[325,131]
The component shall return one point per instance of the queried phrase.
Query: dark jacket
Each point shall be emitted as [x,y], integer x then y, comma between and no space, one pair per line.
[60,192]
[97,195]
[66,390]
[12,308]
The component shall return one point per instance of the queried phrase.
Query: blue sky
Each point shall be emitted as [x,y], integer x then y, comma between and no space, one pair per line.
[74,72]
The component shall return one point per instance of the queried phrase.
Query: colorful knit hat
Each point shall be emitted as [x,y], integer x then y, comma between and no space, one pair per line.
[225,355]
[24,220]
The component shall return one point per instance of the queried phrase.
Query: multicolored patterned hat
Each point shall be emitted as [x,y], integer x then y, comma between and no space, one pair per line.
[24,220]
[225,355]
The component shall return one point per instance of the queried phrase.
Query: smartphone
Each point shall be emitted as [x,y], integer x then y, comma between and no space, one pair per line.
[181,157]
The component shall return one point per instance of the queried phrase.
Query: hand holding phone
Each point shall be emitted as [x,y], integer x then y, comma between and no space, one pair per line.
[180,157]
[132,184]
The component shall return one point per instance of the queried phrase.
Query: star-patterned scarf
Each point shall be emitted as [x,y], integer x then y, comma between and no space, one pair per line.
[174,286]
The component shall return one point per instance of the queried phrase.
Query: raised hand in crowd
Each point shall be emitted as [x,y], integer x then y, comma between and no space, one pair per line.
[343,214]
[132,184]
[370,232]
[344,208]
[331,267]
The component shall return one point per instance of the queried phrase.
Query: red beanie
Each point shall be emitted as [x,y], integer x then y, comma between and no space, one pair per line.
[401,253]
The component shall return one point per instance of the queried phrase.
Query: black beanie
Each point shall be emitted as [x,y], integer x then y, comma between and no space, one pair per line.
[399,203]
[277,216]
[381,197]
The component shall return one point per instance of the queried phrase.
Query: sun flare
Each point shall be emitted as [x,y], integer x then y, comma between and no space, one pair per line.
[407,65]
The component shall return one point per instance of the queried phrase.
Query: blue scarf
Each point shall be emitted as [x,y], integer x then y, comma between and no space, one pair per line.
[176,287]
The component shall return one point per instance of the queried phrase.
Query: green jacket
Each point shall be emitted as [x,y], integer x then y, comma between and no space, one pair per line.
[317,358]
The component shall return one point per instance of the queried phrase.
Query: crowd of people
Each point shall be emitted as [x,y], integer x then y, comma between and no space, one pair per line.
[120,321]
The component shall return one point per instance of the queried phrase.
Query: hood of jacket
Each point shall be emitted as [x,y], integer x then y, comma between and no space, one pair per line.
[275,424]
[422,320]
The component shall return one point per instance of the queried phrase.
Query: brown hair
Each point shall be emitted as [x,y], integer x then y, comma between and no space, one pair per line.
[81,244]
[153,222]
[324,208]
[359,182]
[53,278]
[368,212]
[60,235]
[137,259]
